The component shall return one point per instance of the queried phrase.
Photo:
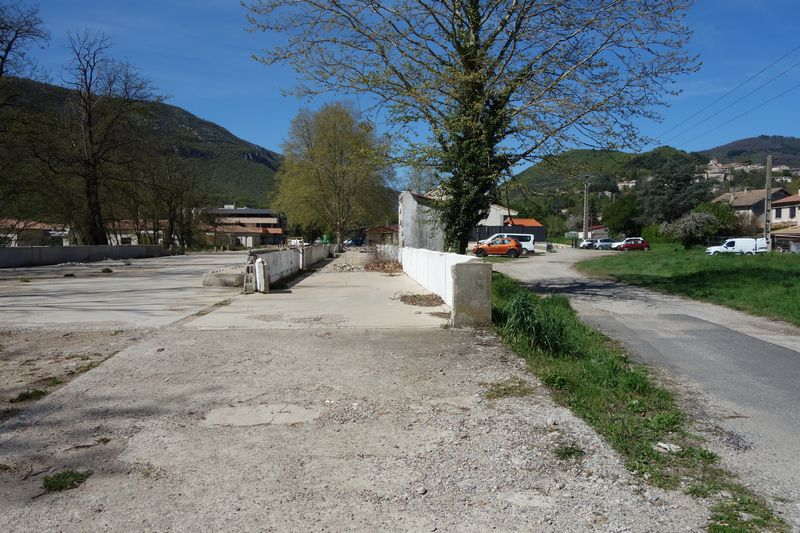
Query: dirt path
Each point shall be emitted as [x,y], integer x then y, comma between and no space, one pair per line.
[740,374]
[331,406]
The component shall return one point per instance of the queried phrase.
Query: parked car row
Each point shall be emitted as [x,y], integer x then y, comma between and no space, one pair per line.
[631,243]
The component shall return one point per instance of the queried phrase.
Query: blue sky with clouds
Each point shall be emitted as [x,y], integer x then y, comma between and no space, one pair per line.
[197,53]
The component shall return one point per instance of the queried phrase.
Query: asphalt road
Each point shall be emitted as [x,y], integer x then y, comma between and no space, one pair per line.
[741,374]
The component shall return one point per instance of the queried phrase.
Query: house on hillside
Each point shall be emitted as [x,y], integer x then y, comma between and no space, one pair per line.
[245,226]
[749,204]
[786,211]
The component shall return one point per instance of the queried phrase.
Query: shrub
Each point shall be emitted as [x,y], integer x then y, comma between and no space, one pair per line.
[692,228]
[543,324]
[652,234]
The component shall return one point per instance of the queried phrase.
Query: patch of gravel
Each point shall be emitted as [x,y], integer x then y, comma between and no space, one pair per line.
[422,300]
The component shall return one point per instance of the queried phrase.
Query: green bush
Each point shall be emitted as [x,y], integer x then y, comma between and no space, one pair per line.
[654,235]
[540,323]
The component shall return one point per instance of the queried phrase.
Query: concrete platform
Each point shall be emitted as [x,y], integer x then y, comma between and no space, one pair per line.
[330,300]
[140,293]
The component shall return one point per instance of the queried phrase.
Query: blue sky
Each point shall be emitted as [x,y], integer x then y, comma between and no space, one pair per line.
[197,53]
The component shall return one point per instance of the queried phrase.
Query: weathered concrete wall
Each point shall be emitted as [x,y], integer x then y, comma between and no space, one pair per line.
[387,252]
[472,295]
[432,270]
[419,223]
[54,255]
[316,253]
[286,263]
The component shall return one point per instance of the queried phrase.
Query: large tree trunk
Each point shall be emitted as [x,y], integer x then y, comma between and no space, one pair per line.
[95,228]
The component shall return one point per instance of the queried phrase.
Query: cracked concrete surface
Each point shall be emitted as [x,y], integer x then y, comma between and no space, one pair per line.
[390,430]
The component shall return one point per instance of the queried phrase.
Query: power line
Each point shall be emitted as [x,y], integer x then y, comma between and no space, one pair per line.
[751,93]
[715,102]
[737,117]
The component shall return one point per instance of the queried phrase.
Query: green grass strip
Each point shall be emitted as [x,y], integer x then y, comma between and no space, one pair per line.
[765,284]
[593,376]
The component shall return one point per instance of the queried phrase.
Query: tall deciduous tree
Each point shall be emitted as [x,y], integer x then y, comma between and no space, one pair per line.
[335,171]
[20,28]
[495,81]
[96,137]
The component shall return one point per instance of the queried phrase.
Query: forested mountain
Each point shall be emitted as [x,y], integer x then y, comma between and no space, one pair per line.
[784,150]
[230,169]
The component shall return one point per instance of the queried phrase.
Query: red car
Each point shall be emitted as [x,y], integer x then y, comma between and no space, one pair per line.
[631,243]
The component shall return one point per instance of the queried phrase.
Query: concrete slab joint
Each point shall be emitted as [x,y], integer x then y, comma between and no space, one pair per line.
[472,295]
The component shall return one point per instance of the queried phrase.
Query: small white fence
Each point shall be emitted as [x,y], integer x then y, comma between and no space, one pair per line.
[282,264]
[463,282]
[433,270]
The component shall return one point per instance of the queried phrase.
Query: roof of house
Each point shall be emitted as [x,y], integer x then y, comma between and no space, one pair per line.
[232,229]
[789,200]
[240,211]
[14,224]
[393,228]
[746,198]
[528,222]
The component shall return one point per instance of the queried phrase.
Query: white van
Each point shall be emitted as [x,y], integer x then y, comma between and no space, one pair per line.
[525,240]
[739,246]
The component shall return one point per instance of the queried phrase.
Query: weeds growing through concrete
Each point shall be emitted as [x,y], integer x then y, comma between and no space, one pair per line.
[29,395]
[594,378]
[65,480]
[510,388]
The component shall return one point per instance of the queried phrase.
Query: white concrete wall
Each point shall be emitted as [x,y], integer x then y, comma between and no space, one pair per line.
[419,224]
[282,264]
[286,263]
[432,269]
[315,253]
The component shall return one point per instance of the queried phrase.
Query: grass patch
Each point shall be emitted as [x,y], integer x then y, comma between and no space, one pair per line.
[594,378]
[65,480]
[510,388]
[29,395]
[764,284]
[567,452]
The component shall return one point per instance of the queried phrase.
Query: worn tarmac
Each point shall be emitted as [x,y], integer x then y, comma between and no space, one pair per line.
[330,406]
[741,373]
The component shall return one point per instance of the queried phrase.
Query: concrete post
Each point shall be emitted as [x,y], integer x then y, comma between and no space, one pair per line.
[472,295]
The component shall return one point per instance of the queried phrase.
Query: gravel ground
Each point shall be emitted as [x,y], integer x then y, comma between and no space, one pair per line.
[197,428]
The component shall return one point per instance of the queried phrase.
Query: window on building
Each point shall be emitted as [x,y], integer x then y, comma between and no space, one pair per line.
[778,212]
[792,212]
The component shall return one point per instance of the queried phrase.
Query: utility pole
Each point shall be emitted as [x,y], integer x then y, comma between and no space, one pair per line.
[768,206]
[586,210]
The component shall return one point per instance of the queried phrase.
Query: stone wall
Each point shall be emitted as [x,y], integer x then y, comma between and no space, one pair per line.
[53,255]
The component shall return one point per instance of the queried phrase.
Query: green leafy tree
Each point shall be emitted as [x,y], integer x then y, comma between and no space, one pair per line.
[727,221]
[494,82]
[623,215]
[335,172]
[673,189]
